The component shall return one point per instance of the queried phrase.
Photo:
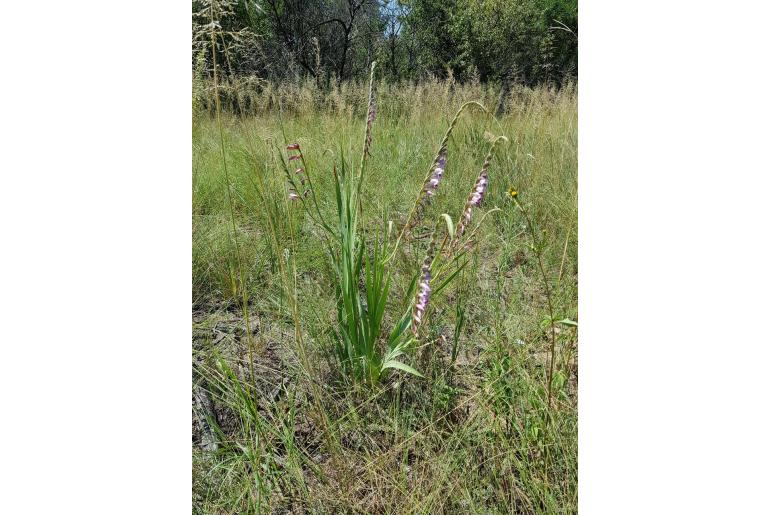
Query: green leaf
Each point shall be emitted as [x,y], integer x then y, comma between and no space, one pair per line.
[401,366]
[393,354]
[448,279]
[567,321]
[399,329]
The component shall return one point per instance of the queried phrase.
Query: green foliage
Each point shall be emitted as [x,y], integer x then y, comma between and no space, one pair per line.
[360,319]
[495,39]
[529,41]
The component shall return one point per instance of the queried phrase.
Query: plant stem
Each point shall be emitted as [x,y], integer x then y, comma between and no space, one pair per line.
[244,294]
[539,254]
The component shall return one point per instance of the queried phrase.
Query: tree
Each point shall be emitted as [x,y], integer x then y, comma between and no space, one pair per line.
[530,41]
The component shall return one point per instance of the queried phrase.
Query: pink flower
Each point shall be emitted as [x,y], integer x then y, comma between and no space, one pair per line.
[438,172]
[478,191]
[293,195]
[294,158]
[293,146]
[423,296]
[474,200]
[435,178]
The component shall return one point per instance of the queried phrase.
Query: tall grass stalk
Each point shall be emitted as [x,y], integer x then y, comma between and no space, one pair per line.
[244,293]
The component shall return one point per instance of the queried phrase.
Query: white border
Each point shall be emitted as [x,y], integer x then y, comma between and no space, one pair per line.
[96,257]
[673,214]
[96,229]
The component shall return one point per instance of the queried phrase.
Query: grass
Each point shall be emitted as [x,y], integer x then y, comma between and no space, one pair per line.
[477,434]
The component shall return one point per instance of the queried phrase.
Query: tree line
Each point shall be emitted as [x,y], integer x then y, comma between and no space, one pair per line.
[523,41]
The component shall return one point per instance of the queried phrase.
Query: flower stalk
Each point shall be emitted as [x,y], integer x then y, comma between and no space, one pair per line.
[538,252]
[424,290]
[302,176]
[477,194]
[442,151]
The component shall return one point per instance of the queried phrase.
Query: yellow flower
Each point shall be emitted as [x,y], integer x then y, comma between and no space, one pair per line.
[512,192]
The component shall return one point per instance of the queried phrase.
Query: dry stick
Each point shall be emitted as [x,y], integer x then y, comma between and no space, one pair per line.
[244,297]
[563,257]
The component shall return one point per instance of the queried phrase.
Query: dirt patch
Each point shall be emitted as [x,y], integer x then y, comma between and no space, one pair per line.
[221,337]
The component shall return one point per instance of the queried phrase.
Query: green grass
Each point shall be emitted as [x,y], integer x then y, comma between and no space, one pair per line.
[476,434]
